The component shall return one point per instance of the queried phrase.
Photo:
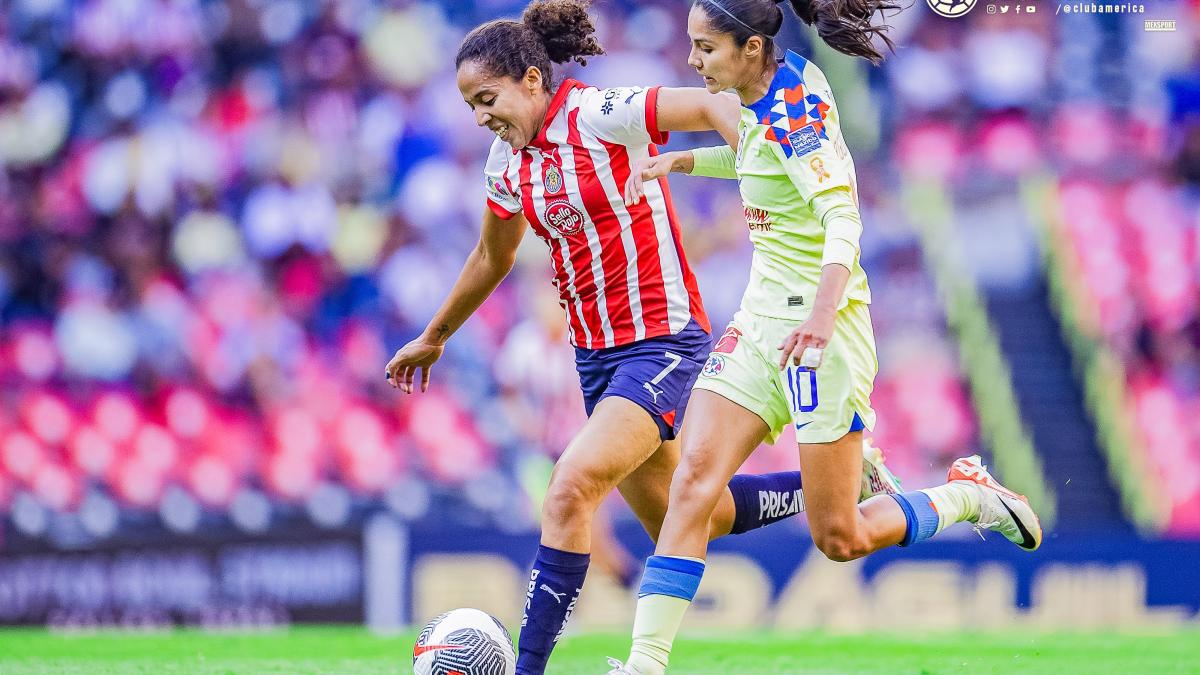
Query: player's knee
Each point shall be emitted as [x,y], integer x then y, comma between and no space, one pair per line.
[838,544]
[572,497]
[694,487]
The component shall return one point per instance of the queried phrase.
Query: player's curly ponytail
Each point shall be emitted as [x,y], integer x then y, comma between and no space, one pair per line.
[844,25]
[550,31]
[565,28]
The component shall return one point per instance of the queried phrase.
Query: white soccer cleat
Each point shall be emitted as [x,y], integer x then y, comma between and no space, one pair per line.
[876,478]
[1000,509]
[619,668]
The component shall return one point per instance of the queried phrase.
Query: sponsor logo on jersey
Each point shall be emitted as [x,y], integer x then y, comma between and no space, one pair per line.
[757,219]
[496,188]
[713,366]
[553,180]
[804,140]
[564,217]
[728,341]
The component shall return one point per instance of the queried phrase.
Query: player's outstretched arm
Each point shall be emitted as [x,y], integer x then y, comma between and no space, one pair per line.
[689,109]
[714,162]
[485,268]
[694,109]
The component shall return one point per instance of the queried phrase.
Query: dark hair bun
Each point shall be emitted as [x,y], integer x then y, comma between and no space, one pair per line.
[565,28]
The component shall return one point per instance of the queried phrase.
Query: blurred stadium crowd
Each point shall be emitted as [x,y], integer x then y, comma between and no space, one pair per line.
[219,218]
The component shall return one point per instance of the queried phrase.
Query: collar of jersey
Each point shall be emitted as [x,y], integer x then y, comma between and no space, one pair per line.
[556,104]
[788,75]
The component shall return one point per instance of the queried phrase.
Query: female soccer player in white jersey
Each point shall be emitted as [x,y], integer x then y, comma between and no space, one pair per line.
[800,350]
[641,335]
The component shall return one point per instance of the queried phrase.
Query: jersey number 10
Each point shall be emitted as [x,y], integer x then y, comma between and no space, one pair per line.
[802,383]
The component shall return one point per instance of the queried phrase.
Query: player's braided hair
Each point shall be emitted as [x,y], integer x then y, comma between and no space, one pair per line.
[549,31]
[844,25]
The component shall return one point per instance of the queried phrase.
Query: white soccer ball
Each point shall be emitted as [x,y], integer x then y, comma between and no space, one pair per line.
[464,641]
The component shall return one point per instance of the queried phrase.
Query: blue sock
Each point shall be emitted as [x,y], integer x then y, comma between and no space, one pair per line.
[668,575]
[921,516]
[760,500]
[554,585]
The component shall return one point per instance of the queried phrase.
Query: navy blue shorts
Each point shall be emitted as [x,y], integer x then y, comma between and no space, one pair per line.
[657,374]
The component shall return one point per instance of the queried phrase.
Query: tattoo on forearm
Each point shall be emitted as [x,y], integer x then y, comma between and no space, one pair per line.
[442,331]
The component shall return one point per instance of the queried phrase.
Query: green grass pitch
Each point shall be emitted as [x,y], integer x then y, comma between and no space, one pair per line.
[350,650]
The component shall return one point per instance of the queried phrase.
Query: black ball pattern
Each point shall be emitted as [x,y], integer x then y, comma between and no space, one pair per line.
[474,653]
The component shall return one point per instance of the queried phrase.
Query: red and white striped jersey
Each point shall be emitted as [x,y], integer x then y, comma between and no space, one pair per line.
[620,271]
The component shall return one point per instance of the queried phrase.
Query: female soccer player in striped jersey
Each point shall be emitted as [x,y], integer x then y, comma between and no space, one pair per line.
[800,350]
[636,320]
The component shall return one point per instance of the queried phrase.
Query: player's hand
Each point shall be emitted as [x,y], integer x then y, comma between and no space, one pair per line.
[805,345]
[403,367]
[649,168]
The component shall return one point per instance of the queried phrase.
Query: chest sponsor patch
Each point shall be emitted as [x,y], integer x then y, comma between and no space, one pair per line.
[804,140]
[564,217]
[757,219]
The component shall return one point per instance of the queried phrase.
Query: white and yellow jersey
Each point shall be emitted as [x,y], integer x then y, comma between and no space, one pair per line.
[797,184]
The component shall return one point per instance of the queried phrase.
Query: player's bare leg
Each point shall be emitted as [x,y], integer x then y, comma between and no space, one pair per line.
[646,490]
[842,528]
[608,554]
[719,435]
[718,438]
[618,437]
[845,532]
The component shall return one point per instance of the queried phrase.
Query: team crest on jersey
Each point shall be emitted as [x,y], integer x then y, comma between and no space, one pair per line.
[713,366]
[564,217]
[553,180]
[728,341]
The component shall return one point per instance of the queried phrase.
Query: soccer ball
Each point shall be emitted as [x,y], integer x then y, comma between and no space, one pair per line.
[464,642]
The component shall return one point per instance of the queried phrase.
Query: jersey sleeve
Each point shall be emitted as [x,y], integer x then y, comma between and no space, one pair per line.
[501,198]
[714,162]
[626,115]
[813,163]
[821,171]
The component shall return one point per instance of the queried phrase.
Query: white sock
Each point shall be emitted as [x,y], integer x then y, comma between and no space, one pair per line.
[654,628]
[955,502]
